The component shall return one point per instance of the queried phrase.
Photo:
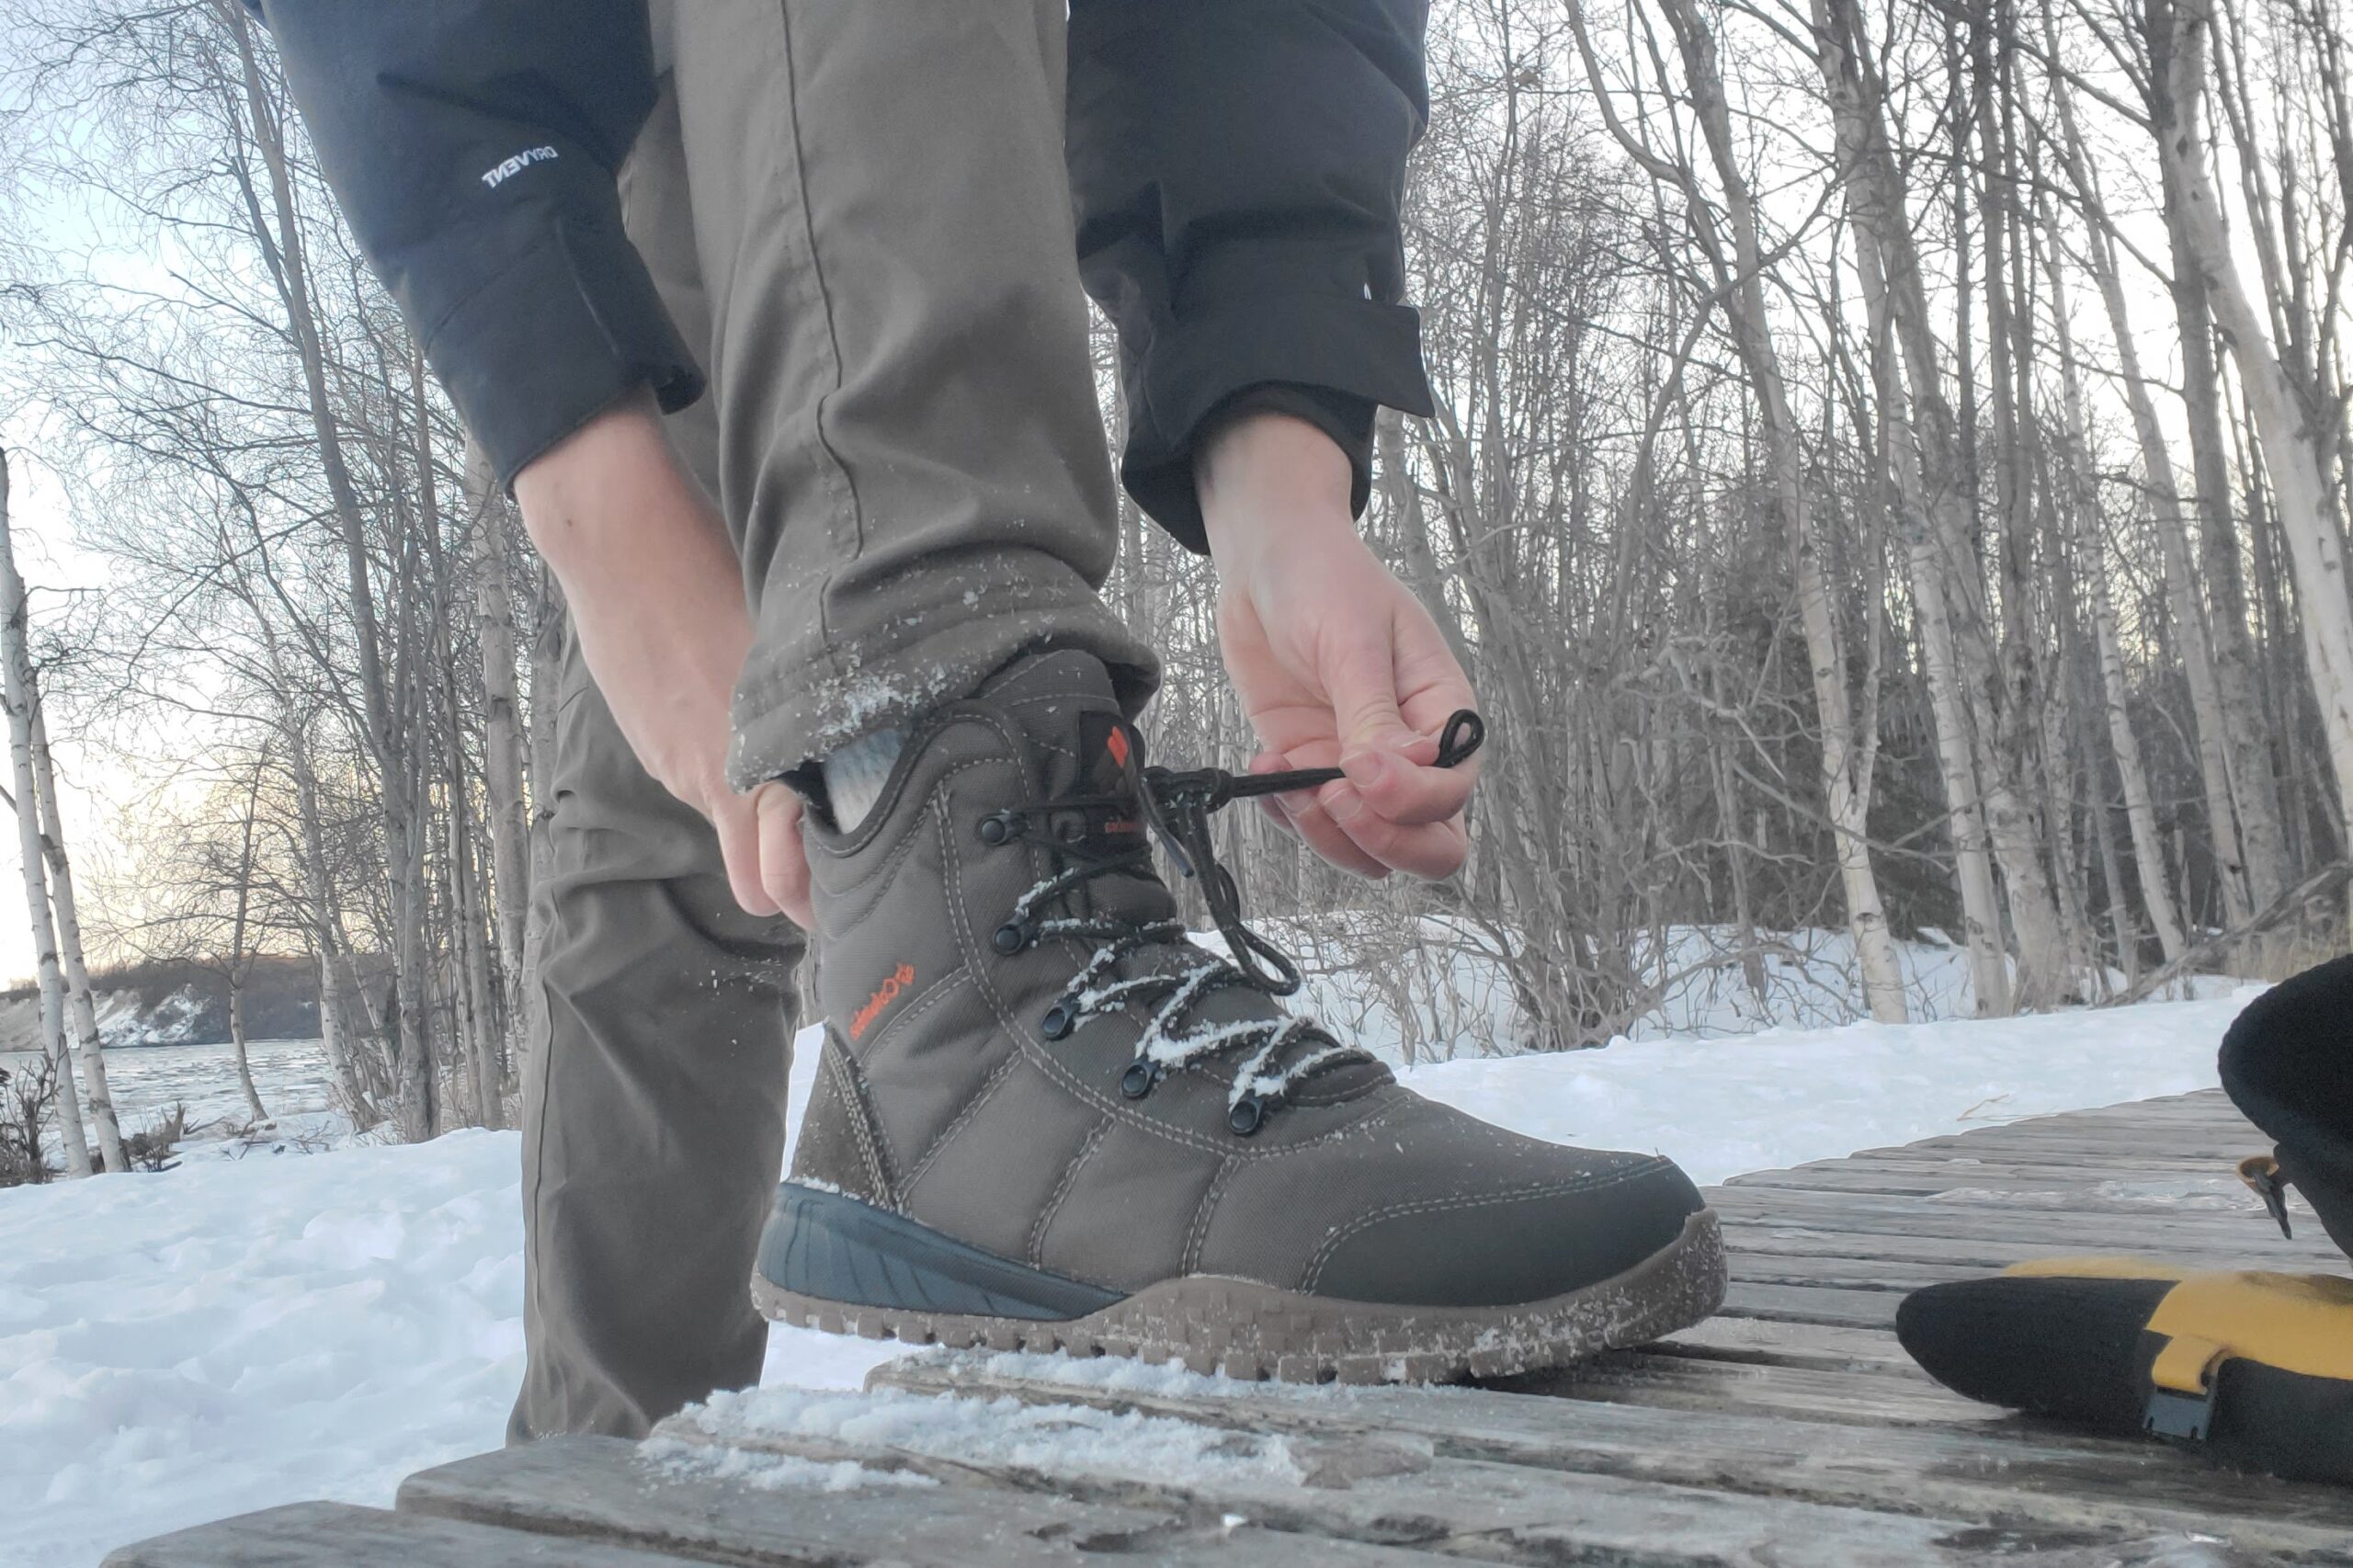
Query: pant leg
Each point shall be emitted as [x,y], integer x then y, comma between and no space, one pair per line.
[654,1091]
[909,444]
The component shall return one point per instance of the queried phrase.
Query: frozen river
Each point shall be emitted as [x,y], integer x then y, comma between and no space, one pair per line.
[148,1080]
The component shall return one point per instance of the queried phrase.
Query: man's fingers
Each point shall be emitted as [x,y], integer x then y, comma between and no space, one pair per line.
[1270,807]
[1390,764]
[1360,674]
[1304,813]
[784,863]
[1331,841]
[1410,793]
[739,846]
[1432,849]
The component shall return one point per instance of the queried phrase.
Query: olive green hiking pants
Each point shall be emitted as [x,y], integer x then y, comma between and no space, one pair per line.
[858,213]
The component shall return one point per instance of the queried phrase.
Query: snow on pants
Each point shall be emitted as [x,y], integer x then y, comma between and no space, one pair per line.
[860,213]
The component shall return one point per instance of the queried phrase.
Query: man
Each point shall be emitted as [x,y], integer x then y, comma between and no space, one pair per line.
[837,650]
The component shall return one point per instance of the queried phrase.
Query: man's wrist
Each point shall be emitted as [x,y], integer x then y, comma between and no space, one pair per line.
[621,523]
[596,482]
[1270,477]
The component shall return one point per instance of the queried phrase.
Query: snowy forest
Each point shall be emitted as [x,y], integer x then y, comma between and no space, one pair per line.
[1889,478]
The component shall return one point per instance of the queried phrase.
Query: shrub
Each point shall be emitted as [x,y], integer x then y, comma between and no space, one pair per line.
[28,1094]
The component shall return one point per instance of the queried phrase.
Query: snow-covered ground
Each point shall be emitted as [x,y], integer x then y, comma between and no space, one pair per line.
[244,1331]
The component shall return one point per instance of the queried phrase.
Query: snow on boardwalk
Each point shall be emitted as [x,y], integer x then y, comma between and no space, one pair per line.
[236,1334]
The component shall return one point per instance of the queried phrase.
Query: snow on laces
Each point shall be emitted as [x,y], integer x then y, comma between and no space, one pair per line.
[1178,805]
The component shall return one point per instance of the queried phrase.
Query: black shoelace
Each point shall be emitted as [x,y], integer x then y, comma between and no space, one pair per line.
[1177,806]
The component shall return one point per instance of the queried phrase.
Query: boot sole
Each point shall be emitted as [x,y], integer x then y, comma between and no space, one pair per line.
[1212,1323]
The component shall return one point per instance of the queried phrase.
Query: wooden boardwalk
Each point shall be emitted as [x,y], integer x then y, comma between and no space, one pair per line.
[1790,1431]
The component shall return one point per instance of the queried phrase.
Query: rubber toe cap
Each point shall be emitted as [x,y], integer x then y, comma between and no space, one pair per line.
[1512,1245]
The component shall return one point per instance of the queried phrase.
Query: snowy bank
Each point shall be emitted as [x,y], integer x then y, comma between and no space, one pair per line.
[240,1333]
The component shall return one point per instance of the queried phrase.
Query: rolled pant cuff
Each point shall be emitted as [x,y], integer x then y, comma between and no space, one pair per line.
[938,646]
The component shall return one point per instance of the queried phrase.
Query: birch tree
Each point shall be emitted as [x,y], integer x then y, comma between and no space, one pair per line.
[2181,30]
[16,666]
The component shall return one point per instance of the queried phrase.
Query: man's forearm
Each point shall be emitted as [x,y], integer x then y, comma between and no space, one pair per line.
[652,585]
[610,502]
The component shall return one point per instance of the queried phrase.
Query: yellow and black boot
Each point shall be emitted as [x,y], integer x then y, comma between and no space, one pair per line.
[2254,1369]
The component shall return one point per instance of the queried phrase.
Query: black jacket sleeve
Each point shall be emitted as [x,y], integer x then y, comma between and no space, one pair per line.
[474,145]
[1237,167]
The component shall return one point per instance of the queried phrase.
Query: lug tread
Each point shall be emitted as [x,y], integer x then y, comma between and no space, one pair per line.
[1256,1333]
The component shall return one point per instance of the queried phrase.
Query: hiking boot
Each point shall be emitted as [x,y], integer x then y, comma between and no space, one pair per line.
[1045,1119]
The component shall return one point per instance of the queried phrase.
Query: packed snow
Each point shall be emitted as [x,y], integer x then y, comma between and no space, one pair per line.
[254,1328]
[1067,1438]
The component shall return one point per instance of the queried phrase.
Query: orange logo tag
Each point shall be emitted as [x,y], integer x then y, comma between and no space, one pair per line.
[893,987]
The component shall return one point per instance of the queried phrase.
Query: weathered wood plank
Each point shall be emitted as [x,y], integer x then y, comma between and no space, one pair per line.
[306,1534]
[602,1489]
[1844,1273]
[2212,1103]
[1403,1493]
[1791,1344]
[2027,1168]
[1802,1303]
[2030,1164]
[2221,1145]
[1756,1240]
[2214,1191]
[2068,1123]
[1990,1476]
[2214,1208]
[1804,1394]
[2047,1231]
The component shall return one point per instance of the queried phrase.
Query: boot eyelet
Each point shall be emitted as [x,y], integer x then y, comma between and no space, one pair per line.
[994,829]
[1058,1022]
[1249,1114]
[1010,937]
[1137,1080]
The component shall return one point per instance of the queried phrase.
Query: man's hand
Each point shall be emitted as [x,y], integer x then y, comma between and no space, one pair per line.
[657,601]
[1336,663]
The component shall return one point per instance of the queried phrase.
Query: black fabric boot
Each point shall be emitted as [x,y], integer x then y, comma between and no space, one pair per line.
[1044,1118]
[2254,1369]
[2288,1062]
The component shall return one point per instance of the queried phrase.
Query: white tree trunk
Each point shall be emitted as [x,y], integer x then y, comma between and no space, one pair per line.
[16,670]
[237,957]
[2291,454]
[2140,813]
[1842,749]
[1981,904]
[501,732]
[318,888]
[82,1005]
[1876,191]
[2162,510]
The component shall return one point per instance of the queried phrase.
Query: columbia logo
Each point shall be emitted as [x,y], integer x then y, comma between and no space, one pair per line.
[517,164]
[891,990]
